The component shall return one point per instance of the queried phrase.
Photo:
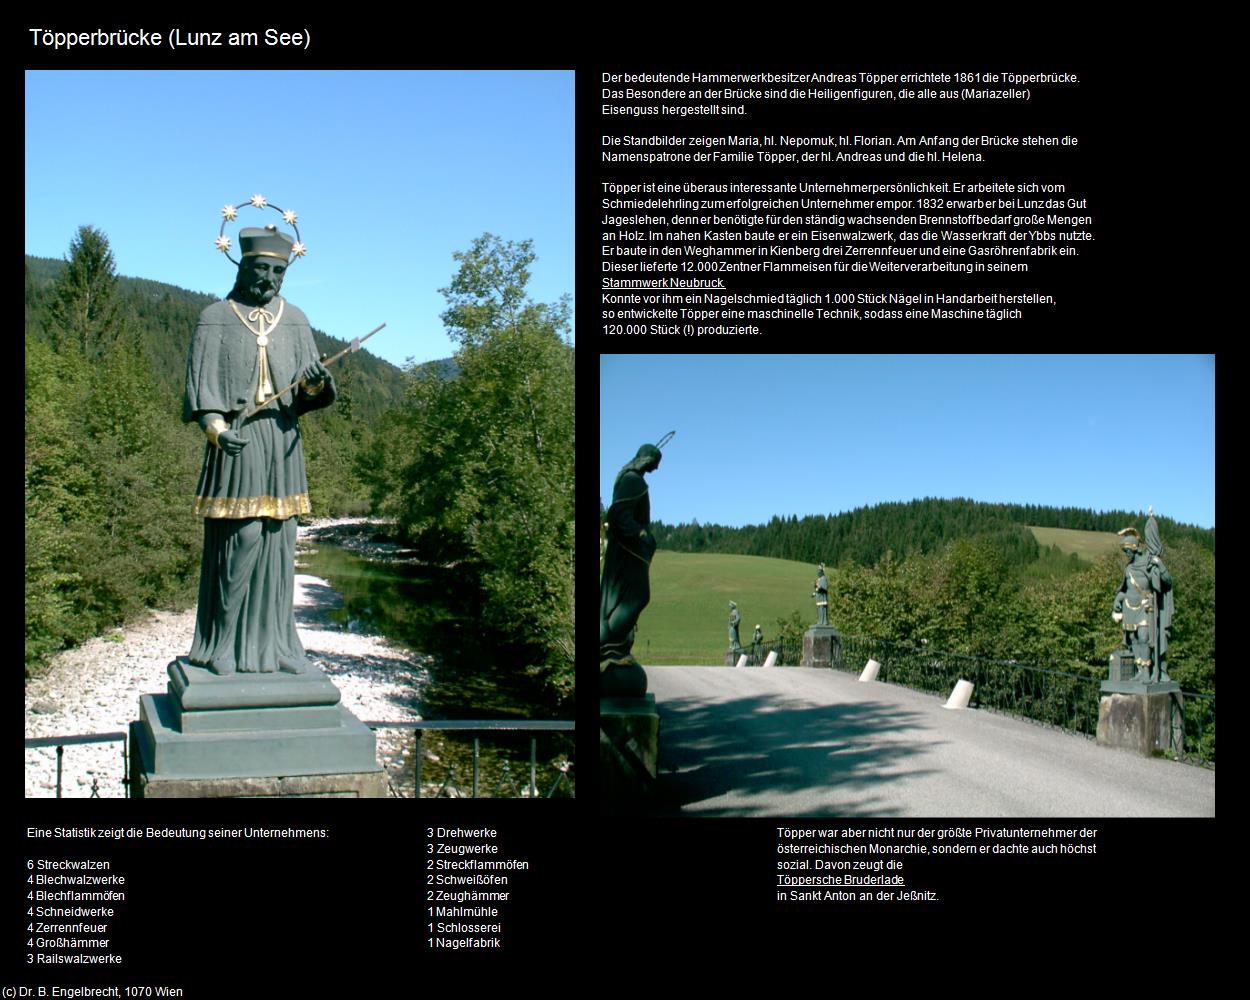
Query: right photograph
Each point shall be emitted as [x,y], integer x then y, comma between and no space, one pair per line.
[907,585]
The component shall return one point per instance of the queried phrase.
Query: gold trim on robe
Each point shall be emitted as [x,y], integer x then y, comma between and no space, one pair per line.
[242,507]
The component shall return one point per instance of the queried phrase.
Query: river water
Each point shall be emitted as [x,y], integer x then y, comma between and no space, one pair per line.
[427,608]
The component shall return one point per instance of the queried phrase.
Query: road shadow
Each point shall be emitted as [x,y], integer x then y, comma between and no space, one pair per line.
[770,750]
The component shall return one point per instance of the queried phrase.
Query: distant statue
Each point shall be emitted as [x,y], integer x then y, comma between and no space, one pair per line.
[757,637]
[734,643]
[625,585]
[821,593]
[1143,604]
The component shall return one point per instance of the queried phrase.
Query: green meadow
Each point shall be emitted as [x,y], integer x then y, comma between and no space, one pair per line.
[1088,545]
[687,620]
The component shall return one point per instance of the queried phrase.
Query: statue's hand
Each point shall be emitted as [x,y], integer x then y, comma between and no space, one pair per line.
[1117,616]
[314,376]
[231,442]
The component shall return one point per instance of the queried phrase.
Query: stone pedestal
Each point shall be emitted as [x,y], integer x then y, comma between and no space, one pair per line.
[821,647]
[254,735]
[732,656]
[1143,718]
[629,747]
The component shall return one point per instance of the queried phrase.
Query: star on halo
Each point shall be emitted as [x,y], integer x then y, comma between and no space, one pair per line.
[298,249]
[223,244]
[258,200]
[229,212]
[289,217]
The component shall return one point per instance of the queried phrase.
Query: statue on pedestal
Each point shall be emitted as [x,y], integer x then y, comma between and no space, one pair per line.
[625,584]
[1143,604]
[735,644]
[821,593]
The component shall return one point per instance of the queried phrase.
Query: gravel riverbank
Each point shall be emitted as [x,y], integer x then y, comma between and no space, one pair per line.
[95,687]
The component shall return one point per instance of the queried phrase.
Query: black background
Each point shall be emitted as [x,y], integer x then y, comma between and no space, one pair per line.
[232,919]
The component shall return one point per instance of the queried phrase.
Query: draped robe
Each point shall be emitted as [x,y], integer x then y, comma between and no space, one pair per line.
[245,620]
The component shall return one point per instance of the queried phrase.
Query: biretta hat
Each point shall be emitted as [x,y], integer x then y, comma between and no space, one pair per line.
[266,242]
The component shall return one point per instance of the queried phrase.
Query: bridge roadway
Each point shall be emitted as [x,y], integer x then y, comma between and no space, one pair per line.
[795,741]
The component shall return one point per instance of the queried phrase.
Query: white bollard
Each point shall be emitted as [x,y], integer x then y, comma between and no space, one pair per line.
[771,659]
[742,661]
[870,671]
[960,696]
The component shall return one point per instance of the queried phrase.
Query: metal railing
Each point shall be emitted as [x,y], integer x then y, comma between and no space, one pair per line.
[61,742]
[493,726]
[1041,694]
[564,767]
[1199,727]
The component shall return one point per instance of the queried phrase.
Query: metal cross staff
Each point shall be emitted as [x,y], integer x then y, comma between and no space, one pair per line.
[351,348]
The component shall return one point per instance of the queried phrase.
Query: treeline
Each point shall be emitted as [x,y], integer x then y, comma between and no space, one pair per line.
[110,470]
[864,535]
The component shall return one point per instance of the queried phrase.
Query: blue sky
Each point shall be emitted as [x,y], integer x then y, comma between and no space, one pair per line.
[389,173]
[759,435]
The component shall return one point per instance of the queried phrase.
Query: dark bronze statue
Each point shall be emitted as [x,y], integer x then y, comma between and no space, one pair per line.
[252,483]
[1143,604]
[821,593]
[735,644]
[625,583]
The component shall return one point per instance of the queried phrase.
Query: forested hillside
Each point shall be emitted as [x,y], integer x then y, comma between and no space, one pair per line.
[163,317]
[864,535]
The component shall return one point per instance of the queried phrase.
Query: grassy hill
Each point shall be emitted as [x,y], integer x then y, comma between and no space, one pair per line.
[688,617]
[1088,545]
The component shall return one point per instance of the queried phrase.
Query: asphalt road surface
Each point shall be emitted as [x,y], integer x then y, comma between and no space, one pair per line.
[797,741]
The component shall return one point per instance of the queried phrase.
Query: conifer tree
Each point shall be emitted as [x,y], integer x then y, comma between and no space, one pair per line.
[84,308]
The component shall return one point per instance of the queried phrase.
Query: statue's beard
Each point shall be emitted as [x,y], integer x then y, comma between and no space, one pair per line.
[258,293]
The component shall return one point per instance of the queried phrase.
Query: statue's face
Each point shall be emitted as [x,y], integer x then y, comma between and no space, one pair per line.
[260,278]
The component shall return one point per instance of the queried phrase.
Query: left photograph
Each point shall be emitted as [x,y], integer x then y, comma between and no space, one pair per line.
[299,450]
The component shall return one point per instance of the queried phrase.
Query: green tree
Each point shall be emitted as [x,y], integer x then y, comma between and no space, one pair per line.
[1191,654]
[84,309]
[107,468]
[479,469]
[57,495]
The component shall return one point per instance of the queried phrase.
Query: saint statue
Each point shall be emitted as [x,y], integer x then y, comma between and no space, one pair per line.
[625,583]
[252,483]
[1143,604]
[735,643]
[821,593]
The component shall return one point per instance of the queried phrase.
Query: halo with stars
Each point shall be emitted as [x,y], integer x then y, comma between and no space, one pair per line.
[231,212]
